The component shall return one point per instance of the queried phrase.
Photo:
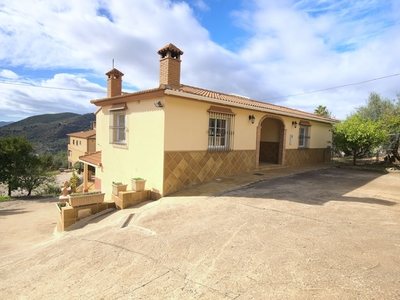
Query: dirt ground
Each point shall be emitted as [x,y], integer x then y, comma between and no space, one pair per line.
[322,234]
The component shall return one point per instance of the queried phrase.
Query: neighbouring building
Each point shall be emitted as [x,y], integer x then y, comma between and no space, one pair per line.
[80,143]
[176,135]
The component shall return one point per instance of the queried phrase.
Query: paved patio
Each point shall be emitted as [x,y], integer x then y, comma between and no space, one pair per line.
[322,234]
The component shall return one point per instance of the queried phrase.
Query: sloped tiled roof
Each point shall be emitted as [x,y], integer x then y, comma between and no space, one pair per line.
[235,100]
[170,47]
[93,159]
[201,94]
[83,134]
[115,71]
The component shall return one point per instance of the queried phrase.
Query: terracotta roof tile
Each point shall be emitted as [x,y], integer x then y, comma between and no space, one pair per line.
[114,71]
[93,159]
[125,95]
[83,134]
[229,99]
[250,103]
[170,47]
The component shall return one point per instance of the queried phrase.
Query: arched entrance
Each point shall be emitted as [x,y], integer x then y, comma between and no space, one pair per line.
[270,140]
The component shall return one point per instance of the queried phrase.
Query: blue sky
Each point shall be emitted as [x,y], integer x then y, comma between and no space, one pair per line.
[266,50]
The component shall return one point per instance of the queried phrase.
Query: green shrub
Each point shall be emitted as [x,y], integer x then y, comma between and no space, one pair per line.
[4,198]
[74,182]
[51,189]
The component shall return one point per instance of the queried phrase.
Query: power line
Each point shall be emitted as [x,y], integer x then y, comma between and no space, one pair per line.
[47,87]
[335,87]
[273,98]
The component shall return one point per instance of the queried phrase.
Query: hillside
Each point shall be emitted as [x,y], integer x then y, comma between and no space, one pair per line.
[4,123]
[48,133]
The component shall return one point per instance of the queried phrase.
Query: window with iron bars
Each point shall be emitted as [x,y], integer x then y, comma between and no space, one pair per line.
[304,136]
[220,131]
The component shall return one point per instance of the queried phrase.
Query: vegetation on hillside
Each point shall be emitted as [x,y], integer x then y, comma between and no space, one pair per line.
[48,133]
[4,123]
[21,167]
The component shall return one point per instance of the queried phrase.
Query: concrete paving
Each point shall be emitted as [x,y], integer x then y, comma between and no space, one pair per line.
[320,234]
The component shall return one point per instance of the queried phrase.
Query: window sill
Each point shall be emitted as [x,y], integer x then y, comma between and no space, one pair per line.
[120,145]
[219,150]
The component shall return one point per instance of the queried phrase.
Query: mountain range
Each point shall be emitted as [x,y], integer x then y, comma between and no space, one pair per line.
[4,123]
[48,132]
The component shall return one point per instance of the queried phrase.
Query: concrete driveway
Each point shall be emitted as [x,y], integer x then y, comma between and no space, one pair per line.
[327,234]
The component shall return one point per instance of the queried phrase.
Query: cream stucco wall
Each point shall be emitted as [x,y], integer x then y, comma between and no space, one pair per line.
[320,134]
[78,147]
[186,126]
[143,156]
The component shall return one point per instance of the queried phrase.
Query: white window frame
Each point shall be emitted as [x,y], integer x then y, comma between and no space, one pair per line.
[118,131]
[304,139]
[220,131]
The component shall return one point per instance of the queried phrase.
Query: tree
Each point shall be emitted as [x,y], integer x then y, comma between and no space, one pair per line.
[387,113]
[37,166]
[377,108]
[358,136]
[19,165]
[15,153]
[322,111]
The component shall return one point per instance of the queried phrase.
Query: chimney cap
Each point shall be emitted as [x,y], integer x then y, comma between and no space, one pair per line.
[117,73]
[170,48]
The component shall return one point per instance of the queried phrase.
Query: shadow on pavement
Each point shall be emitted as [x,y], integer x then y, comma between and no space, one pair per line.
[13,211]
[314,187]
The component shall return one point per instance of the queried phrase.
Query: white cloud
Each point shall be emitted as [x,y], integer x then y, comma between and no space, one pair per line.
[8,74]
[39,97]
[294,47]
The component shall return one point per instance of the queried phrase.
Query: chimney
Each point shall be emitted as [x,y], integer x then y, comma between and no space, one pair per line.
[170,66]
[114,82]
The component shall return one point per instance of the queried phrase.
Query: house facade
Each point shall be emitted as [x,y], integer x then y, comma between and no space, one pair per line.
[80,143]
[177,135]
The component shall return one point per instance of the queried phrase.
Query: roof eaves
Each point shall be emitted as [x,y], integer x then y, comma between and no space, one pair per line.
[83,134]
[100,101]
[297,114]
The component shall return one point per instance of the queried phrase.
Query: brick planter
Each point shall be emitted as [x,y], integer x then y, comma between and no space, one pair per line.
[86,199]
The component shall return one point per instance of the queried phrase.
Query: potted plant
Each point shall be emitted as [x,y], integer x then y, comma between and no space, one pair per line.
[138,184]
[118,187]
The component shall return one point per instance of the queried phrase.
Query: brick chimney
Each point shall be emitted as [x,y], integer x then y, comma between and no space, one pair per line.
[170,66]
[114,82]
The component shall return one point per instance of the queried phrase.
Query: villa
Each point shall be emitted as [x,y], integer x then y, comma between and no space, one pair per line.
[80,143]
[177,135]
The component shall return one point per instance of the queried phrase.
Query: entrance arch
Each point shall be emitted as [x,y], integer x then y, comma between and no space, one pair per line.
[270,140]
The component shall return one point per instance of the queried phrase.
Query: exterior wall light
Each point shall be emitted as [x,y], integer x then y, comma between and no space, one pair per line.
[158,104]
[294,124]
[252,119]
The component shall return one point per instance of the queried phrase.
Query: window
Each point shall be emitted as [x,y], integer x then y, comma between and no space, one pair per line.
[117,127]
[220,129]
[304,136]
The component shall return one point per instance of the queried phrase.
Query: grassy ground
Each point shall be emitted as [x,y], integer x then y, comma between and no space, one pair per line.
[4,198]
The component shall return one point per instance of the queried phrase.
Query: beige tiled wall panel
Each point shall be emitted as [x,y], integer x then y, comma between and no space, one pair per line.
[193,167]
[301,157]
